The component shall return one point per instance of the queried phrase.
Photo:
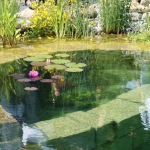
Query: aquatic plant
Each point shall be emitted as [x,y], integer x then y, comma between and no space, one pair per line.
[31,88]
[55,64]
[115,15]
[53,67]
[33,73]
[8,22]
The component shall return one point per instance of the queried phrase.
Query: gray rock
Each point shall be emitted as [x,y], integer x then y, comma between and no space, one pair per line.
[26,13]
[23,17]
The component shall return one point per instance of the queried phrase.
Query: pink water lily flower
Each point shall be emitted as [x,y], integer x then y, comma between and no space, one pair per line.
[33,73]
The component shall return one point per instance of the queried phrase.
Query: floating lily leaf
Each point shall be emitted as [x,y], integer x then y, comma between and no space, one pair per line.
[60,61]
[73,69]
[17,76]
[36,78]
[31,88]
[38,63]
[43,56]
[57,77]
[47,80]
[33,59]
[57,67]
[24,80]
[71,64]
[62,55]
[80,65]
[74,65]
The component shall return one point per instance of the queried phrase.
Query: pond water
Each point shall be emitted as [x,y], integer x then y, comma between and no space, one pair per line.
[107,74]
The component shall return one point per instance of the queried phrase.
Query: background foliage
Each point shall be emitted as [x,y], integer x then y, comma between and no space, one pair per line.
[115,15]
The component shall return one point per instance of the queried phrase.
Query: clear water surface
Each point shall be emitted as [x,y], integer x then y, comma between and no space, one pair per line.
[107,75]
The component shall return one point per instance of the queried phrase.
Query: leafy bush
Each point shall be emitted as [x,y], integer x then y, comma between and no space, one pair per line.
[8,22]
[115,15]
[66,19]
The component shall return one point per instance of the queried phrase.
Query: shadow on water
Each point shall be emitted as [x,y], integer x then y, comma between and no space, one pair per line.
[107,75]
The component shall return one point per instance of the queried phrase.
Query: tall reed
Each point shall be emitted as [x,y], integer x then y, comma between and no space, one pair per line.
[60,19]
[8,22]
[79,21]
[115,15]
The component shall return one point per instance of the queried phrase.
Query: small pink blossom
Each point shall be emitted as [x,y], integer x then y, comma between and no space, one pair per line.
[48,61]
[33,73]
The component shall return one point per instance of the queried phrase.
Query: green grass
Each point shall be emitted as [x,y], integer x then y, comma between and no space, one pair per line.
[8,21]
[114,15]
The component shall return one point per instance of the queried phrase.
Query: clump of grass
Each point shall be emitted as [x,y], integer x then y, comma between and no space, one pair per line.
[142,34]
[115,15]
[8,22]
[78,25]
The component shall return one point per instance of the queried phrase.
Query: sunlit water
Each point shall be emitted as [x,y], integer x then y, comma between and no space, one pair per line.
[107,74]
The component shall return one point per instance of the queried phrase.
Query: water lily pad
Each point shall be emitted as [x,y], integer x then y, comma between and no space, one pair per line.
[31,88]
[47,80]
[60,61]
[62,55]
[43,56]
[38,63]
[57,77]
[36,78]
[24,80]
[17,76]
[74,65]
[73,69]
[33,59]
[80,65]
[57,67]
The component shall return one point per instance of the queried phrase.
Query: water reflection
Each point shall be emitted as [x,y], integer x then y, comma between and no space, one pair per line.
[107,75]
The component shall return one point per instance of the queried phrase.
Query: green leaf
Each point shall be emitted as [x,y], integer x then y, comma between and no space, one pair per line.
[57,67]
[38,63]
[74,65]
[43,56]
[73,69]
[33,59]
[60,61]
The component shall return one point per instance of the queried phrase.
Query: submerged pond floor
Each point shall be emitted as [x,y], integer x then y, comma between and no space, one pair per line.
[104,107]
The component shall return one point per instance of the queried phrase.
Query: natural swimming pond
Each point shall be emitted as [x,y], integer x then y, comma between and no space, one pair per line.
[105,106]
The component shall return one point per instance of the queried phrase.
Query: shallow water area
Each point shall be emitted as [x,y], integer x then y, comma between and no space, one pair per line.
[44,45]
[103,107]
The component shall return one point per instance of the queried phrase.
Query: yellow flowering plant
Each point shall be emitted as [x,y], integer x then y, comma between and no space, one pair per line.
[64,19]
[42,19]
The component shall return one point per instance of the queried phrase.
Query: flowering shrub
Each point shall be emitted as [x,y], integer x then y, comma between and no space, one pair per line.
[42,19]
[66,19]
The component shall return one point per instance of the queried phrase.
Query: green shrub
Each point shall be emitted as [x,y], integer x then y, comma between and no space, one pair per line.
[115,15]
[8,22]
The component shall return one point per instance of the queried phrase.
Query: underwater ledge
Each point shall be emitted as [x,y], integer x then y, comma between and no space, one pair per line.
[34,47]
[100,127]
